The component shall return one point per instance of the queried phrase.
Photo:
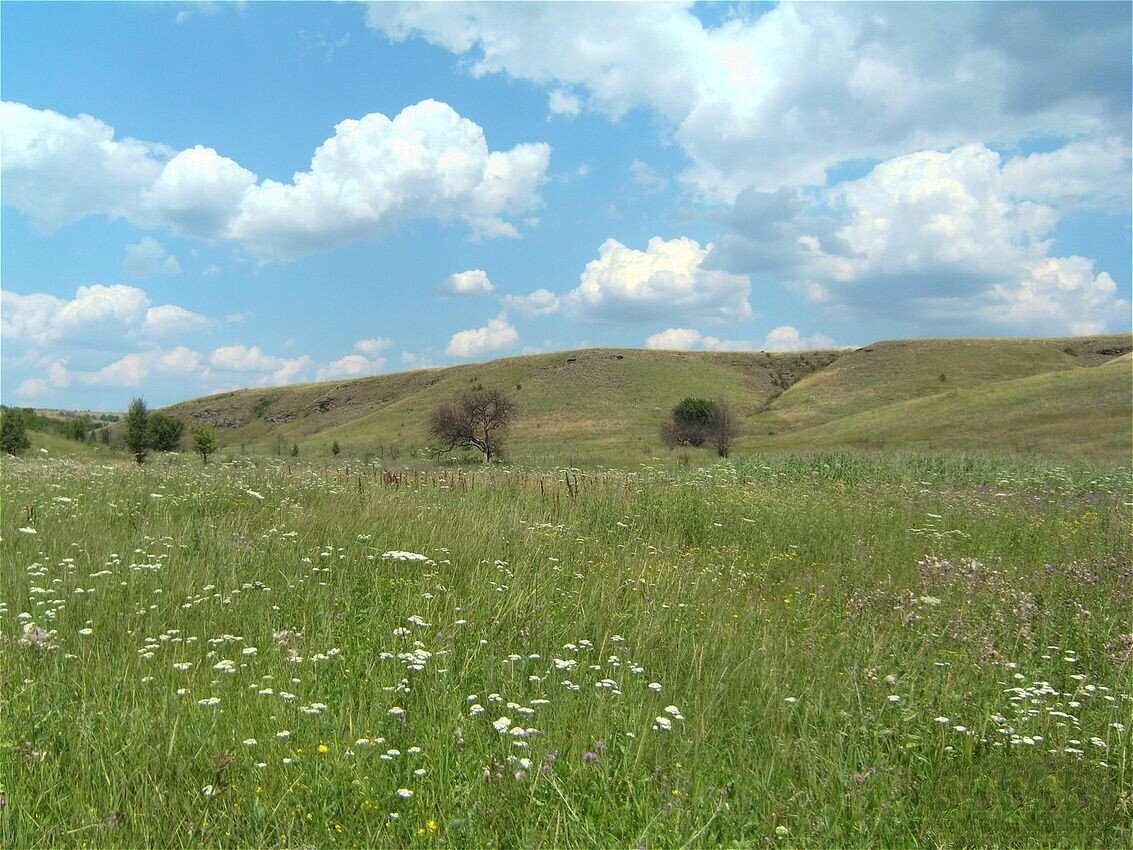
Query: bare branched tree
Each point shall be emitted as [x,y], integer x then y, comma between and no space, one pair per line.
[479,419]
[722,429]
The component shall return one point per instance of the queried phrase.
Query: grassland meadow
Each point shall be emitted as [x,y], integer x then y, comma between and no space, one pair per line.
[791,651]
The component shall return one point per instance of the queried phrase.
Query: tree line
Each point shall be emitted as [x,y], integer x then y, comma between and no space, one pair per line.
[146,431]
[479,419]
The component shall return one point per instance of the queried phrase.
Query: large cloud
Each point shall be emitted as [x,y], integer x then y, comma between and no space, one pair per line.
[99,317]
[374,174]
[108,340]
[951,240]
[198,192]
[776,97]
[58,169]
[1084,174]
[666,279]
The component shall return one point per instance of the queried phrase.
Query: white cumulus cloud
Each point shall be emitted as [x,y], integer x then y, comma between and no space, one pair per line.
[181,360]
[666,279]
[351,366]
[687,339]
[563,102]
[374,174]
[496,336]
[541,302]
[949,242]
[58,169]
[942,235]
[774,97]
[1090,174]
[372,346]
[198,192]
[128,371]
[787,338]
[259,368]
[469,283]
[100,317]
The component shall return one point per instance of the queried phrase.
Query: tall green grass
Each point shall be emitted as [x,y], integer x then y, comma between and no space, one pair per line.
[800,651]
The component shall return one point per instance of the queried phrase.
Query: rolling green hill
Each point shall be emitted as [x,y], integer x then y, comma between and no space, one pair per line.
[1069,398]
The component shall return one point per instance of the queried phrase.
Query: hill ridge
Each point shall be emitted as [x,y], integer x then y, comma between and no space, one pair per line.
[607,404]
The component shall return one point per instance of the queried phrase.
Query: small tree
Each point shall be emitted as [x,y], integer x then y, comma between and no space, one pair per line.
[722,428]
[696,421]
[137,429]
[479,419]
[689,423]
[334,449]
[165,432]
[295,450]
[77,428]
[14,433]
[204,443]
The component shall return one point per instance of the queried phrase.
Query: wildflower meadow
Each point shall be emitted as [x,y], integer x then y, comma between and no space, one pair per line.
[770,652]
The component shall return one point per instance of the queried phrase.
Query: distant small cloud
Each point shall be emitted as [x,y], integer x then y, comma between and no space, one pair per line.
[372,346]
[541,302]
[497,335]
[203,7]
[563,102]
[787,338]
[647,178]
[667,279]
[424,360]
[149,257]
[171,320]
[320,42]
[258,367]
[181,360]
[687,339]
[783,338]
[351,366]
[467,284]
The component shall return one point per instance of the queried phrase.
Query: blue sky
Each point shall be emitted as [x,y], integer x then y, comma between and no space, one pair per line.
[201,197]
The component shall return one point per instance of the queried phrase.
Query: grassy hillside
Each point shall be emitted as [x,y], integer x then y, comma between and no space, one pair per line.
[1084,413]
[594,404]
[1057,397]
[888,372]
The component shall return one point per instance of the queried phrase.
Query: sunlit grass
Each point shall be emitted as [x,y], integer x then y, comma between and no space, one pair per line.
[824,651]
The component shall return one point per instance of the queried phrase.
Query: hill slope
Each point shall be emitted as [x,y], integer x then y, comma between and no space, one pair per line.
[1084,413]
[1054,396]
